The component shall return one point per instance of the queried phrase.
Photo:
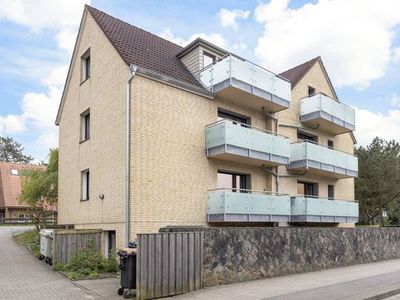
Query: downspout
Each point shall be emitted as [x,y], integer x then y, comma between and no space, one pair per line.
[275,174]
[132,69]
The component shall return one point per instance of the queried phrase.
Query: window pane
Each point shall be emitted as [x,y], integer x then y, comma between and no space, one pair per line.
[208,59]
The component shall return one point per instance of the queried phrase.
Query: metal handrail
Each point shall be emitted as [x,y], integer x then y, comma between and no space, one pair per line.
[322,145]
[322,94]
[326,198]
[247,191]
[247,126]
[244,60]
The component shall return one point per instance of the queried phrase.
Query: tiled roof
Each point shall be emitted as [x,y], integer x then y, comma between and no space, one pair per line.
[10,185]
[295,74]
[142,48]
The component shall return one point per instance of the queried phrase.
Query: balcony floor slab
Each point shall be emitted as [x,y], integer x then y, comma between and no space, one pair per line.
[326,122]
[321,169]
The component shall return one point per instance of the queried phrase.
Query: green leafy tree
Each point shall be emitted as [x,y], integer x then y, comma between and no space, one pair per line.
[39,190]
[378,183]
[12,151]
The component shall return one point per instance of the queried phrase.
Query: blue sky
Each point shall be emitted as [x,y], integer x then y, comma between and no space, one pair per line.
[359,41]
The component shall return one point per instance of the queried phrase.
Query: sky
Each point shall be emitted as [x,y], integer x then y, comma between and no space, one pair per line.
[358,40]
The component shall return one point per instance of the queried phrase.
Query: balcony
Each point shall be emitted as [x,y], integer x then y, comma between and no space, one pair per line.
[226,205]
[245,83]
[236,142]
[330,115]
[321,160]
[310,209]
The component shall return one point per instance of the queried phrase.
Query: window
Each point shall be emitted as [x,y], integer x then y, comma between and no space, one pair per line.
[21,218]
[85,62]
[85,175]
[223,114]
[331,192]
[306,137]
[308,189]
[14,172]
[311,91]
[331,144]
[85,125]
[208,59]
[233,181]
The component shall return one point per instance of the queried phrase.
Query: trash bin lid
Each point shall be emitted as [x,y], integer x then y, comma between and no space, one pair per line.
[128,250]
[46,232]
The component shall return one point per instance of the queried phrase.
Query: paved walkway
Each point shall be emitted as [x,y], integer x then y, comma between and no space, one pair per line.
[355,282]
[22,276]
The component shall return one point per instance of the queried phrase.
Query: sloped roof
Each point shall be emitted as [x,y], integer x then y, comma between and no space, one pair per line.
[144,49]
[296,73]
[10,185]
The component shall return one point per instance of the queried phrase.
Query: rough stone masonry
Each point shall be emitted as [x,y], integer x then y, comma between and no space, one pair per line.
[241,254]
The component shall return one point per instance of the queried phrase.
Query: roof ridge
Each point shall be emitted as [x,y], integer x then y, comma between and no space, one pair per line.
[304,63]
[146,31]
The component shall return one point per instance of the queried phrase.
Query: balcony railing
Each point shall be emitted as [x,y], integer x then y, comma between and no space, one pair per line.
[330,115]
[319,159]
[247,84]
[231,205]
[318,209]
[237,142]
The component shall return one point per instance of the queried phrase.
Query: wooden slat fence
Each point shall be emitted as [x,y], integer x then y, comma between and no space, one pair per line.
[168,264]
[67,242]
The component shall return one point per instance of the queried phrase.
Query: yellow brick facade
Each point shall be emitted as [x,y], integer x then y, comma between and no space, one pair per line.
[170,173]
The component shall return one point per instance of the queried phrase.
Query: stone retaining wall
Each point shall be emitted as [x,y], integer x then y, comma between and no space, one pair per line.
[241,254]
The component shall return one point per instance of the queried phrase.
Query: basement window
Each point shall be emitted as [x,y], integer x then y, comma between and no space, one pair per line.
[85,65]
[85,184]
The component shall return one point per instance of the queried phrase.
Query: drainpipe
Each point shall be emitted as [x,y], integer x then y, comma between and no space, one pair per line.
[133,69]
[275,174]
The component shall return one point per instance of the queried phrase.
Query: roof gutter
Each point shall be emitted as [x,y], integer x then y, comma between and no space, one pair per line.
[132,69]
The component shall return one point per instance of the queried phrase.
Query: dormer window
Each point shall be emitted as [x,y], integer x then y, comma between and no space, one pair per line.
[208,59]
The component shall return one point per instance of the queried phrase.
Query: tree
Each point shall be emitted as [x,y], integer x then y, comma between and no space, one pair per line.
[12,151]
[378,184]
[40,190]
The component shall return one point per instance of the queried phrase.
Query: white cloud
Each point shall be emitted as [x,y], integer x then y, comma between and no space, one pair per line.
[394,100]
[354,37]
[372,124]
[396,55]
[62,16]
[38,110]
[214,38]
[228,18]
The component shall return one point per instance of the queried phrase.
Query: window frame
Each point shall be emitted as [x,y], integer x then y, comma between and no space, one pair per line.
[306,134]
[233,116]
[242,176]
[331,196]
[332,142]
[311,91]
[313,185]
[85,126]
[85,185]
[209,55]
[85,66]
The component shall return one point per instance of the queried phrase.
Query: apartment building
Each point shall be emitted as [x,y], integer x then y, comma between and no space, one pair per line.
[153,134]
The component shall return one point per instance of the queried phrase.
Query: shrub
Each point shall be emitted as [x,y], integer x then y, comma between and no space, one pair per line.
[88,263]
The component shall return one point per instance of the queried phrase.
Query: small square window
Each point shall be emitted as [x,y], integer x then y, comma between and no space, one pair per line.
[85,125]
[331,144]
[14,172]
[85,65]
[85,184]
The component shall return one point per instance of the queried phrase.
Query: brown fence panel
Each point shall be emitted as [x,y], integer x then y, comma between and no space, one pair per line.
[67,242]
[168,264]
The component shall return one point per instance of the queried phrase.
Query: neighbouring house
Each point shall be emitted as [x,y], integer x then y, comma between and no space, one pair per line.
[11,174]
[153,134]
